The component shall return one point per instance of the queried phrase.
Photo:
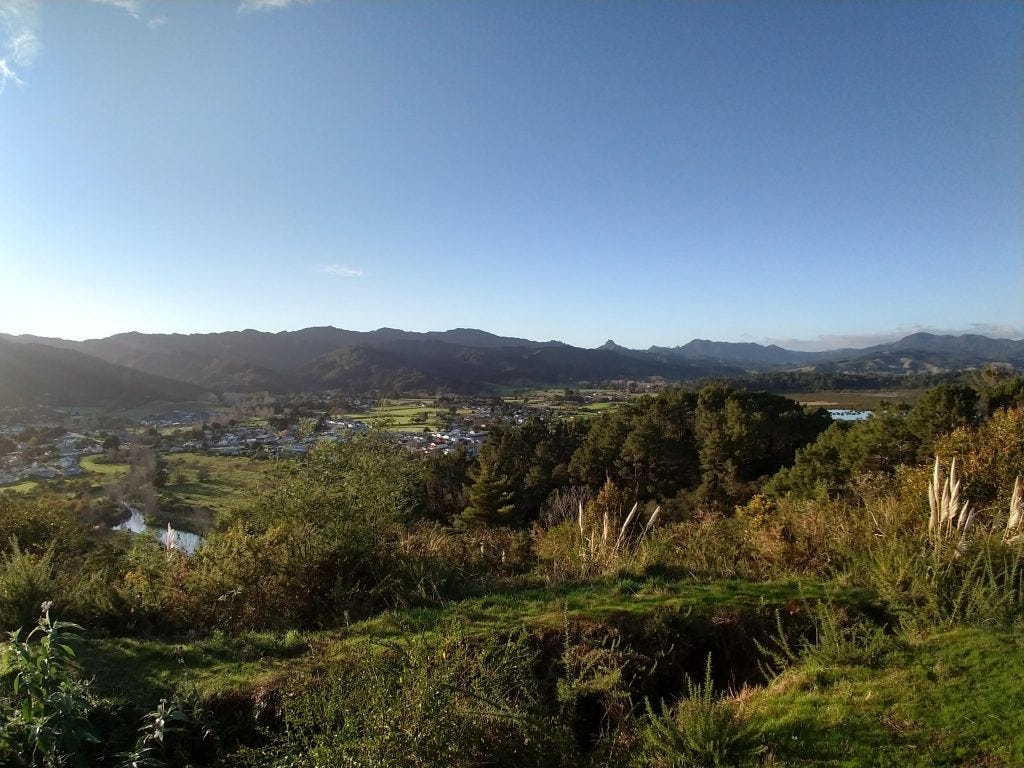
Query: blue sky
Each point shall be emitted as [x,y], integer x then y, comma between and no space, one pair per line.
[811,174]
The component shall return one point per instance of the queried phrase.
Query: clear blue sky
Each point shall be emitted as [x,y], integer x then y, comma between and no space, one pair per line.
[816,172]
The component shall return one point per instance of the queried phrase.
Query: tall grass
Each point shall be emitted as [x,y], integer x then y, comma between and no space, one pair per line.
[600,539]
[962,568]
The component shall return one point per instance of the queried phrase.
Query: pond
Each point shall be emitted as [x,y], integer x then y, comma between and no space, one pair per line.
[181,540]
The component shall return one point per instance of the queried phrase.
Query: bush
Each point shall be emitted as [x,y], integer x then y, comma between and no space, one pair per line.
[444,701]
[26,580]
[953,567]
[44,706]
[704,730]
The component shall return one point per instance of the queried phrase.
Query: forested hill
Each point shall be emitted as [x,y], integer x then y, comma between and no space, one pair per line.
[35,373]
[459,360]
[468,360]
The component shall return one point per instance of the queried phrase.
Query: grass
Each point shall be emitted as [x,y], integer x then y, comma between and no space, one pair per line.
[230,482]
[949,698]
[398,415]
[144,670]
[861,401]
[250,661]
[952,698]
[88,463]
[93,465]
[26,486]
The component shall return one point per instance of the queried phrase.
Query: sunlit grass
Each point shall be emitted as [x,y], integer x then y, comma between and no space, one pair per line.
[947,699]
[220,483]
[26,486]
[93,464]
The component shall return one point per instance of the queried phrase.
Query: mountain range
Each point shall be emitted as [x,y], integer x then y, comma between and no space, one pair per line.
[130,368]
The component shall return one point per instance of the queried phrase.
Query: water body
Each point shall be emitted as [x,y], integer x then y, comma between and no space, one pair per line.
[181,540]
[847,414]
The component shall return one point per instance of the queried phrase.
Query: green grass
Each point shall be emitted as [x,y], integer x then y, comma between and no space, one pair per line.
[398,415]
[952,698]
[231,481]
[546,609]
[213,665]
[866,401]
[26,486]
[142,671]
[92,464]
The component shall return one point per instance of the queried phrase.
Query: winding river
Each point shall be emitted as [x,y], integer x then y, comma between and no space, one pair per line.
[180,540]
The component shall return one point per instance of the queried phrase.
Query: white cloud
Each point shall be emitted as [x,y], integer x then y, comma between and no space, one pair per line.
[340,270]
[248,6]
[131,7]
[156,21]
[19,40]
[18,22]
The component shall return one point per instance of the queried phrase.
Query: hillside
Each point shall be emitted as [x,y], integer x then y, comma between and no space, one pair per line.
[34,373]
[466,360]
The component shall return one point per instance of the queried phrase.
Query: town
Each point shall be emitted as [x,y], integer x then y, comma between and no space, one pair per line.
[67,443]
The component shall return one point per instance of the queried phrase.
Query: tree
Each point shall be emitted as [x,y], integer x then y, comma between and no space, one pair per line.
[940,410]
[490,497]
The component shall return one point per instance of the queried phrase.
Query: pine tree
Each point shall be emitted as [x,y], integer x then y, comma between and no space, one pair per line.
[490,497]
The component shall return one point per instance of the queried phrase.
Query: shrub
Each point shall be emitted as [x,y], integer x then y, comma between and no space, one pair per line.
[704,730]
[44,706]
[444,701]
[961,567]
[26,580]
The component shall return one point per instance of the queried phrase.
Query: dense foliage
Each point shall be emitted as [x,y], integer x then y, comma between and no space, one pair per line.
[683,487]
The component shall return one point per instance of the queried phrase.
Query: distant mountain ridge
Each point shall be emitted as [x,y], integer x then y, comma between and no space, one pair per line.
[33,374]
[458,360]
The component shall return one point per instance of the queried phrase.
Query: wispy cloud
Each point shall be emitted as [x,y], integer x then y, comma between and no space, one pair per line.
[131,7]
[156,21]
[340,270]
[19,38]
[248,6]
[18,23]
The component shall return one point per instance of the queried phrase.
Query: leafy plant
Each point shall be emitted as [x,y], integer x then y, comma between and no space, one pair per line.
[44,706]
[155,735]
[438,701]
[602,540]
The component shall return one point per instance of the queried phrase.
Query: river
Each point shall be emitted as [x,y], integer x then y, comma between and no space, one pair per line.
[181,540]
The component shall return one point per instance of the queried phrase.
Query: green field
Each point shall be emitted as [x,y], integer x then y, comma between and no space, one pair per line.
[219,483]
[23,487]
[217,666]
[398,415]
[552,400]
[866,401]
[97,472]
[92,464]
